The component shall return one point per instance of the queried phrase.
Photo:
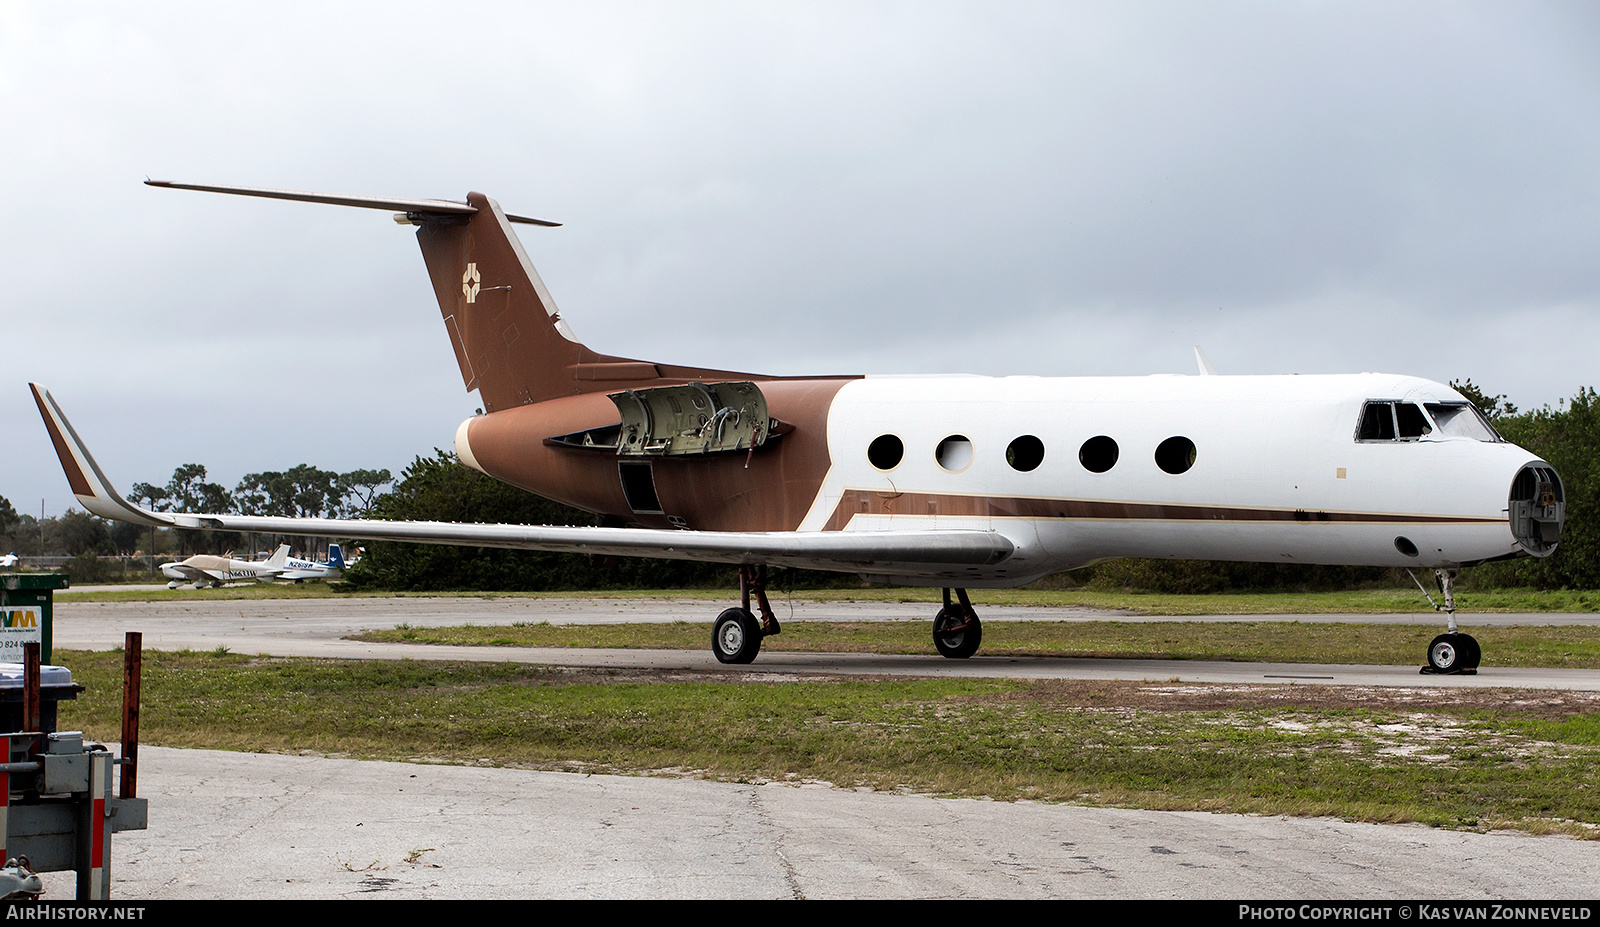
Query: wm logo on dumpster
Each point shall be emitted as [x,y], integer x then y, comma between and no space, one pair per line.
[19,617]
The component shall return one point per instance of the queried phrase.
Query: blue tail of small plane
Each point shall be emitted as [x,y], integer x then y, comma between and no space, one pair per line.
[335,557]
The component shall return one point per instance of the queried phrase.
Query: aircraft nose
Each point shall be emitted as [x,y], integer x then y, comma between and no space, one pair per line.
[1537,508]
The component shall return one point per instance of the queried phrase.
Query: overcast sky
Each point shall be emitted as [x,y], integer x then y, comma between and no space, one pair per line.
[1054,189]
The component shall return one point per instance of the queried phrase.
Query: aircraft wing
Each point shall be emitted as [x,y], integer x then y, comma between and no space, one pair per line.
[908,552]
[184,571]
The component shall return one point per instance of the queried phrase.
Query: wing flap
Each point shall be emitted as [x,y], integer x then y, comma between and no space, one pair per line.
[879,551]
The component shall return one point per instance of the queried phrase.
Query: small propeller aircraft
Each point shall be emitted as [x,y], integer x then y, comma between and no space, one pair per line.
[203,570]
[960,482]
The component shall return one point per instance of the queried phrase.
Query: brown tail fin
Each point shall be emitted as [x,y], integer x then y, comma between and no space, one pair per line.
[509,339]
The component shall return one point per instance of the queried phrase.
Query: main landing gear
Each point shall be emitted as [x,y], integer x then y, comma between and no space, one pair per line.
[957,632]
[1451,653]
[736,636]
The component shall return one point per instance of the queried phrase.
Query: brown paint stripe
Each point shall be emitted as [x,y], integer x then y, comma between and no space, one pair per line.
[871,502]
[75,478]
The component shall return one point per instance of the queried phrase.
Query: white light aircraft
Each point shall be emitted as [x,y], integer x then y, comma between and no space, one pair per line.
[299,570]
[8,561]
[961,482]
[203,570]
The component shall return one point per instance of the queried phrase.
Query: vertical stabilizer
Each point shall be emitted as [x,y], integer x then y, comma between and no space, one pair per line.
[279,558]
[510,341]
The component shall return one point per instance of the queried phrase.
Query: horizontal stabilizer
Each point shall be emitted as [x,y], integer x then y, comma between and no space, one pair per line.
[423,207]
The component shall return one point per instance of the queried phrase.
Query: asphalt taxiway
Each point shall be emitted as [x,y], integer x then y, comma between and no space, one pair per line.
[320,628]
[253,826]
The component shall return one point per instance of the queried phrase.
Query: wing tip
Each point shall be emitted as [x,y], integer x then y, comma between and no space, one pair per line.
[88,483]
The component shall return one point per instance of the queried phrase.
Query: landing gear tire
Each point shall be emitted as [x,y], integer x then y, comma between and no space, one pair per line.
[957,632]
[1452,652]
[736,637]
[1449,654]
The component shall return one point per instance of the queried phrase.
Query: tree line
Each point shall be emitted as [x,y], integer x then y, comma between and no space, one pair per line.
[302,491]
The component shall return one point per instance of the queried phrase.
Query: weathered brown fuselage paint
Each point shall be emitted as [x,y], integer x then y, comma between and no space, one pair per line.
[854,502]
[768,490]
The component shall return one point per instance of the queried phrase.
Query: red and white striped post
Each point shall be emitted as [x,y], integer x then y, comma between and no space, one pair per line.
[94,879]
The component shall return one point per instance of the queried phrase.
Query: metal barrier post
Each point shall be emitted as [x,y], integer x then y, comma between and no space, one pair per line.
[132,667]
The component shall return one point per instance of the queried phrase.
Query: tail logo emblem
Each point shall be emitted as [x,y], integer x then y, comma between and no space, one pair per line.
[469,283]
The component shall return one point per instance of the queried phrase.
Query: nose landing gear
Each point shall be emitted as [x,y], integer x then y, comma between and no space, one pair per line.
[1451,653]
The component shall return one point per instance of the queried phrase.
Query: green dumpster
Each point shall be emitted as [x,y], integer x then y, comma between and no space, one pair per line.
[25,612]
[25,618]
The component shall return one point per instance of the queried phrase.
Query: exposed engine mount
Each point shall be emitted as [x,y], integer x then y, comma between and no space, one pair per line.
[1536,509]
[688,420]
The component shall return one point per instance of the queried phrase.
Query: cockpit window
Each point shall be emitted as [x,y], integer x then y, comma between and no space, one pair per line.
[1377,422]
[1462,420]
[1413,424]
[1392,421]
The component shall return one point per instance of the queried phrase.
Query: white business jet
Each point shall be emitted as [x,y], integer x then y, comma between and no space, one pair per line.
[961,482]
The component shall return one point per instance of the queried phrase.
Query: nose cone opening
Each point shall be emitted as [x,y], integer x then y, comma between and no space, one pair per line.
[1537,508]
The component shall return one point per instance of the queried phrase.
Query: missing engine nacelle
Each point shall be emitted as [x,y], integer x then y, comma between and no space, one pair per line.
[688,420]
[1537,508]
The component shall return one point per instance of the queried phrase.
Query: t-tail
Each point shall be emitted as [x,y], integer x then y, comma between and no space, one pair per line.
[510,340]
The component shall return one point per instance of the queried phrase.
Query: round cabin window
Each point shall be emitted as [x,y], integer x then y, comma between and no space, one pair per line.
[1098,454]
[885,452]
[1026,453]
[1175,455]
[954,453]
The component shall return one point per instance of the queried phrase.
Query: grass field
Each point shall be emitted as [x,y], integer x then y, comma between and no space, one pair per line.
[1473,758]
[1477,758]
[1364,601]
[1272,641]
